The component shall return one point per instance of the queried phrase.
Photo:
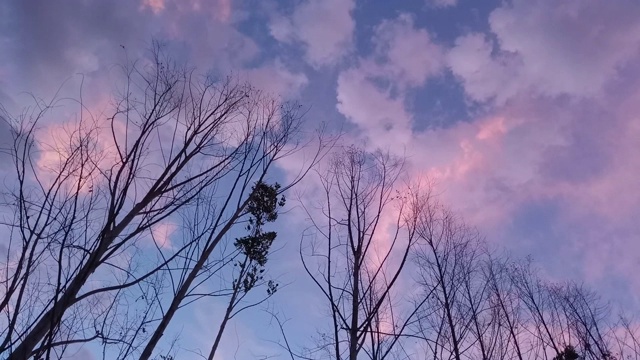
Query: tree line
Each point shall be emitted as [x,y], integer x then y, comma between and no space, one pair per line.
[85,259]
[460,298]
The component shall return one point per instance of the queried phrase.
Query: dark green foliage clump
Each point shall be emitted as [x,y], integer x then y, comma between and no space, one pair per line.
[569,353]
[262,208]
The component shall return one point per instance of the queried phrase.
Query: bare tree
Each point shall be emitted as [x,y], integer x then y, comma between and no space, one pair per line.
[626,336]
[78,226]
[447,261]
[254,251]
[359,248]
[587,317]
[484,306]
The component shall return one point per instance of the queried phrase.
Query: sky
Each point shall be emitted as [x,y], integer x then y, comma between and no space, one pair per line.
[524,113]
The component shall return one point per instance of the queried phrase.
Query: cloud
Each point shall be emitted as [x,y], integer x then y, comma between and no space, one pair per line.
[566,93]
[578,156]
[323,27]
[560,128]
[79,354]
[586,152]
[161,233]
[548,165]
[221,10]
[408,53]
[574,52]
[372,93]
[225,9]
[155,6]
[276,79]
[50,42]
[442,3]
[384,119]
[5,137]
[483,75]
[44,45]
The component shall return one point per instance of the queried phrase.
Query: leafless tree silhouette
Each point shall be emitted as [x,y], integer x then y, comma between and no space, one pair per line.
[84,258]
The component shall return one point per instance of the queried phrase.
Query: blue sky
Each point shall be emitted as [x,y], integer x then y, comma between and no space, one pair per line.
[525,113]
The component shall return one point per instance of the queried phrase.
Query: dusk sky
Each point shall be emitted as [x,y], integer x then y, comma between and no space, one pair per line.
[525,114]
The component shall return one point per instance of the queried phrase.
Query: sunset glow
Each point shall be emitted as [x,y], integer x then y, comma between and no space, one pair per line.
[522,116]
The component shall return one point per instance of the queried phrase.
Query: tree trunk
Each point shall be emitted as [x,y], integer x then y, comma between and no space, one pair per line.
[39,330]
[223,325]
[184,288]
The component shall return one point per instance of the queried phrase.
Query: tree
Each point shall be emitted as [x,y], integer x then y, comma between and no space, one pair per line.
[568,353]
[76,260]
[358,249]
[446,258]
[587,317]
[487,306]
[544,313]
[254,249]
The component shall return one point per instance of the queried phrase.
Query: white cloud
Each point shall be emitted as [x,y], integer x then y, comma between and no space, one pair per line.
[410,54]
[324,27]
[385,121]
[161,234]
[572,47]
[484,76]
[372,94]
[442,3]
[276,79]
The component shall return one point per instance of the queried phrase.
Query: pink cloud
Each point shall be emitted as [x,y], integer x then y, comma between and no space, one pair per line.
[276,79]
[84,60]
[56,140]
[492,129]
[405,57]
[155,6]
[383,119]
[489,168]
[408,52]
[324,27]
[472,166]
[483,75]
[497,167]
[161,234]
[575,51]
[551,132]
[579,51]
[224,10]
